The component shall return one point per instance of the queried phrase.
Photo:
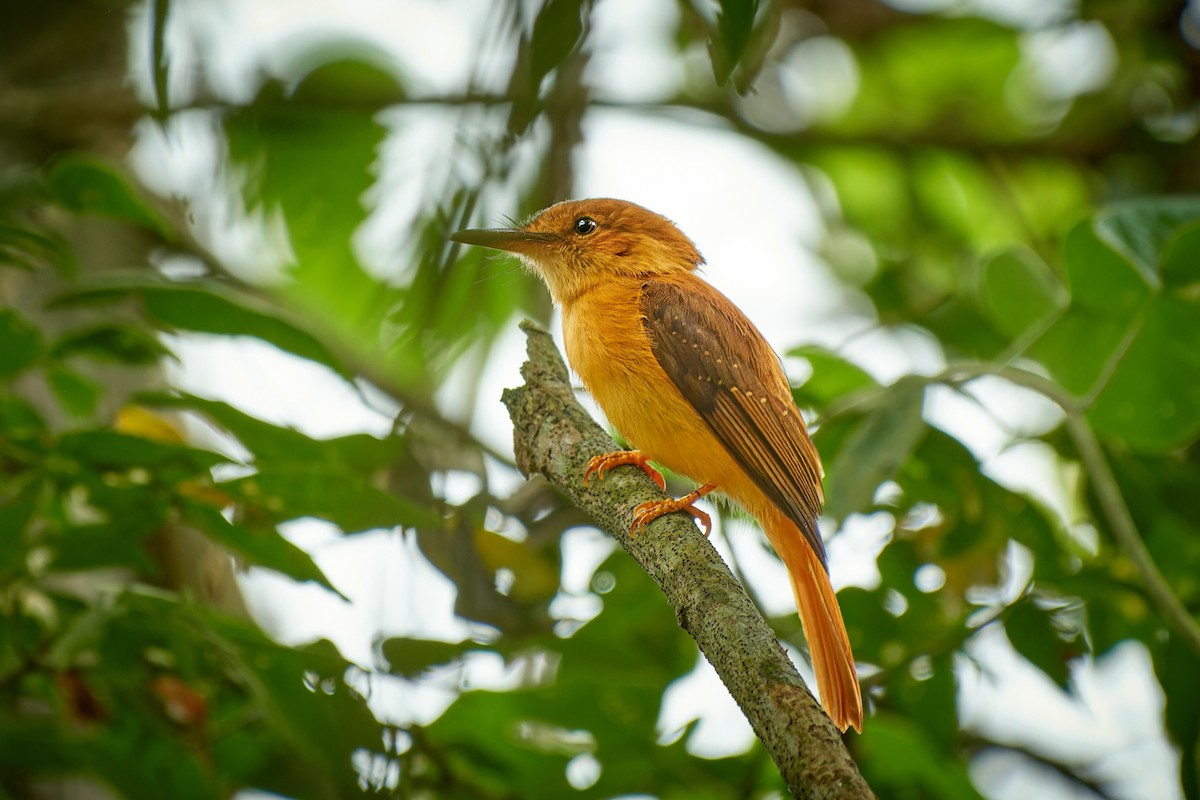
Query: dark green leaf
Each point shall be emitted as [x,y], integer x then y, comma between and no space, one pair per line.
[111,450]
[20,343]
[1019,291]
[1077,348]
[264,548]
[1103,280]
[313,160]
[1152,399]
[926,690]
[832,377]
[1181,264]
[27,248]
[206,307]
[274,445]
[87,185]
[1033,635]
[12,254]
[1106,294]
[413,657]
[1177,667]
[1142,230]
[735,22]
[974,99]
[556,32]
[895,756]
[306,707]
[112,341]
[77,394]
[604,700]
[1125,338]
[19,500]
[120,543]
[881,442]
[349,502]
[19,421]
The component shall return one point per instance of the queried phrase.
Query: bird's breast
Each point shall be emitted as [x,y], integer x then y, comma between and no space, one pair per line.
[608,346]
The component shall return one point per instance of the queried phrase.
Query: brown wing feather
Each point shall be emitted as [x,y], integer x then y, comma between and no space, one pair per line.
[722,366]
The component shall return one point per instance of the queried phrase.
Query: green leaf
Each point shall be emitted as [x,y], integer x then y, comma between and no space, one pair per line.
[1181,264]
[354,505]
[313,727]
[1141,230]
[927,690]
[1128,337]
[206,307]
[13,252]
[20,343]
[87,185]
[274,445]
[1019,291]
[111,450]
[1033,635]
[112,341]
[1136,333]
[880,443]
[895,756]
[832,377]
[605,699]
[1101,279]
[312,160]
[735,23]
[1152,399]
[77,394]
[20,499]
[264,548]
[973,99]
[1177,666]
[413,657]
[556,32]
[27,248]
[19,421]
[121,544]
[535,575]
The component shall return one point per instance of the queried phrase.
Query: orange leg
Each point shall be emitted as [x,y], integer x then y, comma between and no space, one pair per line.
[621,458]
[648,512]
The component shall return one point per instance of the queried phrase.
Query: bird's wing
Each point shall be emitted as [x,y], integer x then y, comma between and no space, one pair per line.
[707,347]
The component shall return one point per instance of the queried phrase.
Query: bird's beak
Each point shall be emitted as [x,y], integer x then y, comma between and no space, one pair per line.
[514,240]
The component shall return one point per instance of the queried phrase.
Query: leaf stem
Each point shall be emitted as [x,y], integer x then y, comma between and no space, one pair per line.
[1104,483]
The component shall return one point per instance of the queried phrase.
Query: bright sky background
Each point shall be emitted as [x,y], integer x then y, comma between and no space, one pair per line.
[757,220]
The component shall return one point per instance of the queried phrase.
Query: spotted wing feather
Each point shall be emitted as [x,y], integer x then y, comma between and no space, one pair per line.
[725,369]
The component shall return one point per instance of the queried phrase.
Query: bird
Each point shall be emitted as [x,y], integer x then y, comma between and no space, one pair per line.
[693,386]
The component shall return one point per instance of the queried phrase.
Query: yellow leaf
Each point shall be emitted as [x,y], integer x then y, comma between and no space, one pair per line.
[138,421]
[533,578]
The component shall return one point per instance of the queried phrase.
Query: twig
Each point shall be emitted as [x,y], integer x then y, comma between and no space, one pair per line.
[555,437]
[1104,483]
[1108,494]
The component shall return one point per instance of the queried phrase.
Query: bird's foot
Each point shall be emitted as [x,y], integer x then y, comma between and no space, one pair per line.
[648,512]
[621,458]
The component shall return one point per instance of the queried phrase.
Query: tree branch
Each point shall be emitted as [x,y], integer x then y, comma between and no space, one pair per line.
[555,437]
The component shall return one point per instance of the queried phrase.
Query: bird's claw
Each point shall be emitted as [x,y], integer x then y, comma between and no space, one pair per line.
[646,513]
[600,464]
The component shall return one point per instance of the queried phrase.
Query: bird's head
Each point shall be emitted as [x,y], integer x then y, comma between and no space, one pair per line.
[578,244]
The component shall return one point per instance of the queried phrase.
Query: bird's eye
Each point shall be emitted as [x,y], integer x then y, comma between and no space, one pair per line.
[585,225]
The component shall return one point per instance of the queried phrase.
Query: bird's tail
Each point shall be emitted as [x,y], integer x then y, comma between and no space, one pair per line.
[828,644]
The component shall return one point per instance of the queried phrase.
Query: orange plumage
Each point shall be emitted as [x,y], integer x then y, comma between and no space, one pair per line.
[691,383]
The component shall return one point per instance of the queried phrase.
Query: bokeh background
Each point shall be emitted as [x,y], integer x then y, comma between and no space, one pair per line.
[260,529]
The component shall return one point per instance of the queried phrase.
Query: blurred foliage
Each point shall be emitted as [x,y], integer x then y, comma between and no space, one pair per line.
[1031,228]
